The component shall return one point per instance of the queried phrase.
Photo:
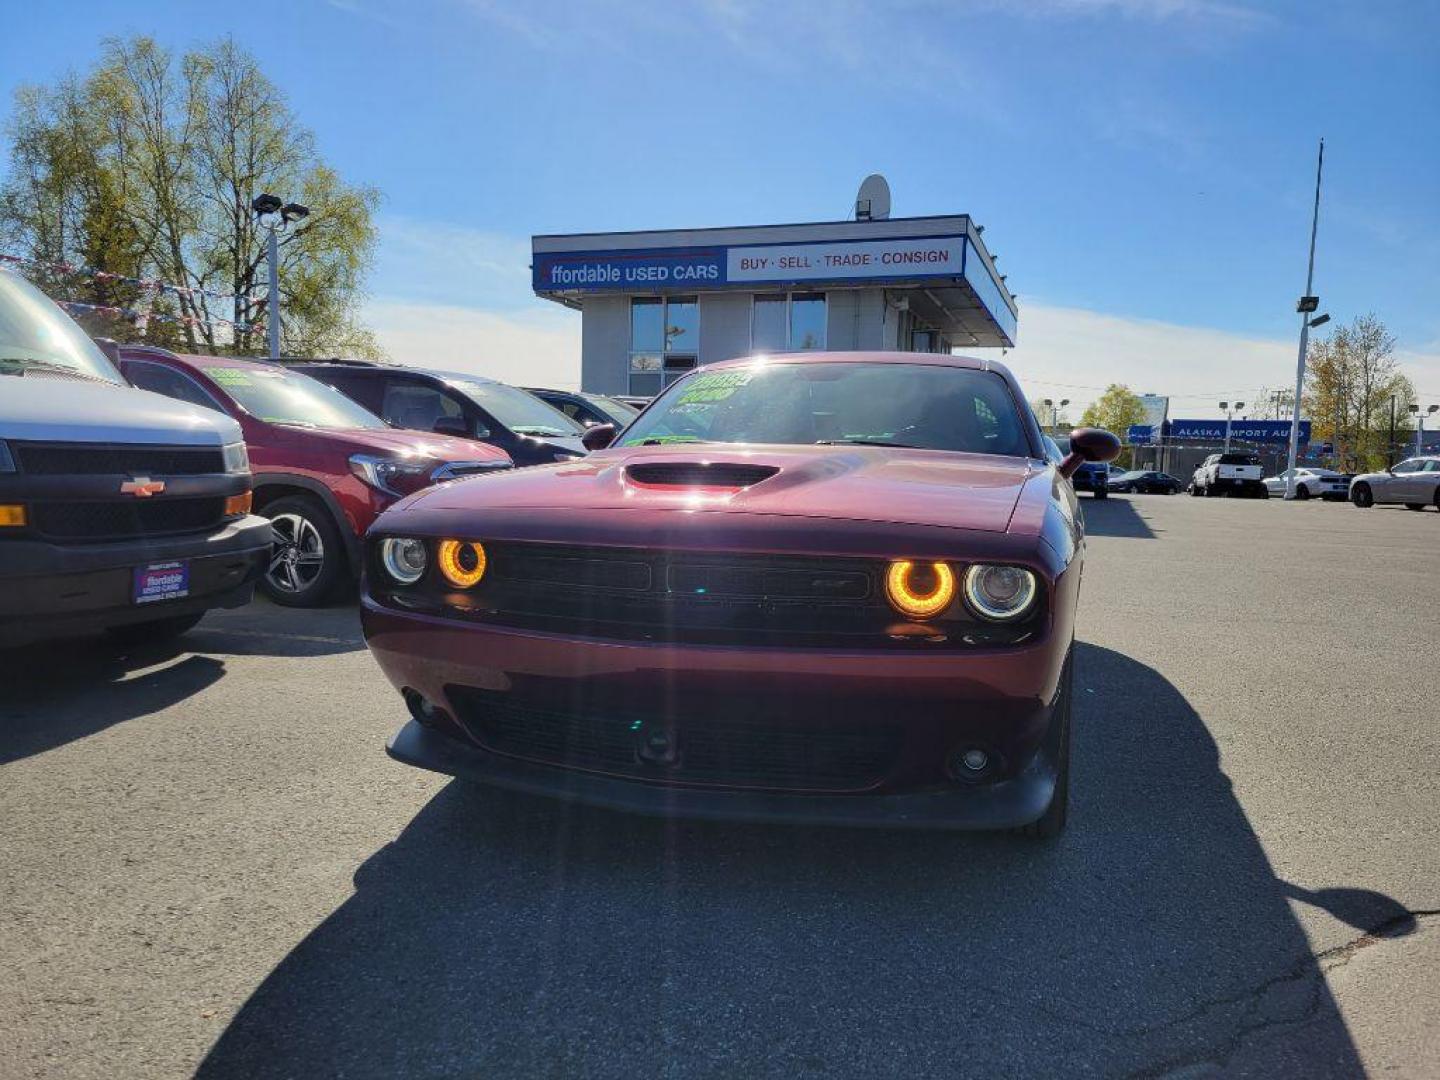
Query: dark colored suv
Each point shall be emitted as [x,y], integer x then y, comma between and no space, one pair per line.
[588,409]
[455,403]
[324,467]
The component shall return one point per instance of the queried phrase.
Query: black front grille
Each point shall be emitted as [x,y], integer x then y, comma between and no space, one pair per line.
[113,519]
[71,459]
[748,748]
[696,598]
[700,474]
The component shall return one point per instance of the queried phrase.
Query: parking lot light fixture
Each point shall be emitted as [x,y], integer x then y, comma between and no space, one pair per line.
[1308,305]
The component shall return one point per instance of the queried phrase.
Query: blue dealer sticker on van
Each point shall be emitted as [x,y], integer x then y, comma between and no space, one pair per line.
[162,581]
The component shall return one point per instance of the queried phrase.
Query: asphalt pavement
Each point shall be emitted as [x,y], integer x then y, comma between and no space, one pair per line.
[210,865]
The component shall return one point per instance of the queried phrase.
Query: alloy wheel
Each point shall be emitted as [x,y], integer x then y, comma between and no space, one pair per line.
[299,553]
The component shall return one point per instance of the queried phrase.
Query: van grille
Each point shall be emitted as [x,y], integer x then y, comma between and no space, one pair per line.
[71,459]
[113,519]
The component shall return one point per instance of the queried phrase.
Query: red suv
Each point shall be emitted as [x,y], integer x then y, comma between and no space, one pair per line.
[324,466]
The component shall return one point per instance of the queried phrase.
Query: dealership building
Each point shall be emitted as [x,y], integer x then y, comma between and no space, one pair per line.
[655,304]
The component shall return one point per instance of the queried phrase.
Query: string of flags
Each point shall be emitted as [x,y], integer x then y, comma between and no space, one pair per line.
[179,320]
[148,284]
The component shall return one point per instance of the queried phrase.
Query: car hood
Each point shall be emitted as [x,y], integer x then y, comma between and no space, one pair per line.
[397,443]
[73,410]
[917,487]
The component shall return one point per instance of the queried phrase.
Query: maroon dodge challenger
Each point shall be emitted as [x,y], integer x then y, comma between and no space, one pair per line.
[834,588]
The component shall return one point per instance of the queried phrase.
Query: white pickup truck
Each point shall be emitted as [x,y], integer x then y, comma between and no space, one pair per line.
[120,510]
[1230,474]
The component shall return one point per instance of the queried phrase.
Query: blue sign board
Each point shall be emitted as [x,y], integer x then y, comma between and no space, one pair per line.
[1140,434]
[1253,431]
[590,271]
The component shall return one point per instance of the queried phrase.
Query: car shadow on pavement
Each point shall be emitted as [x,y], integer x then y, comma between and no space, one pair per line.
[59,691]
[1116,516]
[511,936]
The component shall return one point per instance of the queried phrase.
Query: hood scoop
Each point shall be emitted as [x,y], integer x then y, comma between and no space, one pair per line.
[706,474]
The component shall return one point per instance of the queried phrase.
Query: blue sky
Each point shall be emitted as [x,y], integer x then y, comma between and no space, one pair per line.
[1143,167]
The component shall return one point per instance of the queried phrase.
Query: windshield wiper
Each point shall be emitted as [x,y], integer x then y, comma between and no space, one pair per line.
[19,365]
[547,432]
[866,442]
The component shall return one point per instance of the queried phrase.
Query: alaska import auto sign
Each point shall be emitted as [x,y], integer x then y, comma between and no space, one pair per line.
[1252,431]
[832,261]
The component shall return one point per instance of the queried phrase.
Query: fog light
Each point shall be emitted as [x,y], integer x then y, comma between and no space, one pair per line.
[425,711]
[972,764]
[12,516]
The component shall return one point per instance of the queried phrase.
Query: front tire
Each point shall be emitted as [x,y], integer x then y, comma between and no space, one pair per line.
[307,563]
[154,631]
[1052,823]
[1302,492]
[1362,496]
[1102,494]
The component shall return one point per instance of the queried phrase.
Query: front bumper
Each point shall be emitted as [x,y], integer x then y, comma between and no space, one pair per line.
[56,590]
[1004,700]
[1003,805]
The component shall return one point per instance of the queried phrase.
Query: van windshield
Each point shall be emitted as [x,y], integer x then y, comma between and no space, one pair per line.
[36,335]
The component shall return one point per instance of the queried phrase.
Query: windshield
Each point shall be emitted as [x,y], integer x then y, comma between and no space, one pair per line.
[925,406]
[35,334]
[618,410]
[520,411]
[288,397]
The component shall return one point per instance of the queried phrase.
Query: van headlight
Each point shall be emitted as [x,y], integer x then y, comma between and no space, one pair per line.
[404,558]
[235,457]
[999,593]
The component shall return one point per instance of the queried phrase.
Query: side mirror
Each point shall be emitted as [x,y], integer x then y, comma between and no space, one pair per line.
[1089,444]
[598,437]
[451,425]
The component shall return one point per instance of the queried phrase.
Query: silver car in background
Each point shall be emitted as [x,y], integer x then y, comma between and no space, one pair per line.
[1414,482]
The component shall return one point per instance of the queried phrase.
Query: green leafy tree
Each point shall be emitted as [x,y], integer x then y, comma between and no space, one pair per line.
[1115,410]
[146,167]
[1351,378]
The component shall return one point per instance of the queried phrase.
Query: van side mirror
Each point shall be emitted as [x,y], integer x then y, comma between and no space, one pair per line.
[598,437]
[1089,444]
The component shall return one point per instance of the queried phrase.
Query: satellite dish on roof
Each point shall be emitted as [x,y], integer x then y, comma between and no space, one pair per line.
[873,201]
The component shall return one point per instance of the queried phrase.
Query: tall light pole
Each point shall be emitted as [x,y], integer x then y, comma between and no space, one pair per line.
[1420,425]
[1230,412]
[1307,306]
[275,217]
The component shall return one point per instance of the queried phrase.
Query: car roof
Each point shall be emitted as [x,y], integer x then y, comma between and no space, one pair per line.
[933,359]
[399,369]
[153,352]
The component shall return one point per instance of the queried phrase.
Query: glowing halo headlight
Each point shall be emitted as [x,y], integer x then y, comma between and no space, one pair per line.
[919,600]
[462,562]
[403,558]
[999,593]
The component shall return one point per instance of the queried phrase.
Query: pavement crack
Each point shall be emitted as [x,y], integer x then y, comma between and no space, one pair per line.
[1312,968]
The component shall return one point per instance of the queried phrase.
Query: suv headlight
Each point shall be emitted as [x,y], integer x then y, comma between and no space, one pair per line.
[7,463]
[235,457]
[395,476]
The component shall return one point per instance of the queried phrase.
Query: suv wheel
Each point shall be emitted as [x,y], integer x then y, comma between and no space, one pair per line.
[308,559]
[1362,496]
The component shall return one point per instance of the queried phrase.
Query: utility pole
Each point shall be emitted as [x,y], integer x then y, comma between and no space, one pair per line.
[1308,304]
[1390,446]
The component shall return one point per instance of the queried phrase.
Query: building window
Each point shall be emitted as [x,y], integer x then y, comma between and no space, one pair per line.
[664,341]
[788,322]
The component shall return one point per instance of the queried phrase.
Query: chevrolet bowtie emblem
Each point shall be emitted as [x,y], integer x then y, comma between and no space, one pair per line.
[142,487]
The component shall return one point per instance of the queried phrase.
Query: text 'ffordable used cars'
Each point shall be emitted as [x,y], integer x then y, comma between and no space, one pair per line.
[832,588]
